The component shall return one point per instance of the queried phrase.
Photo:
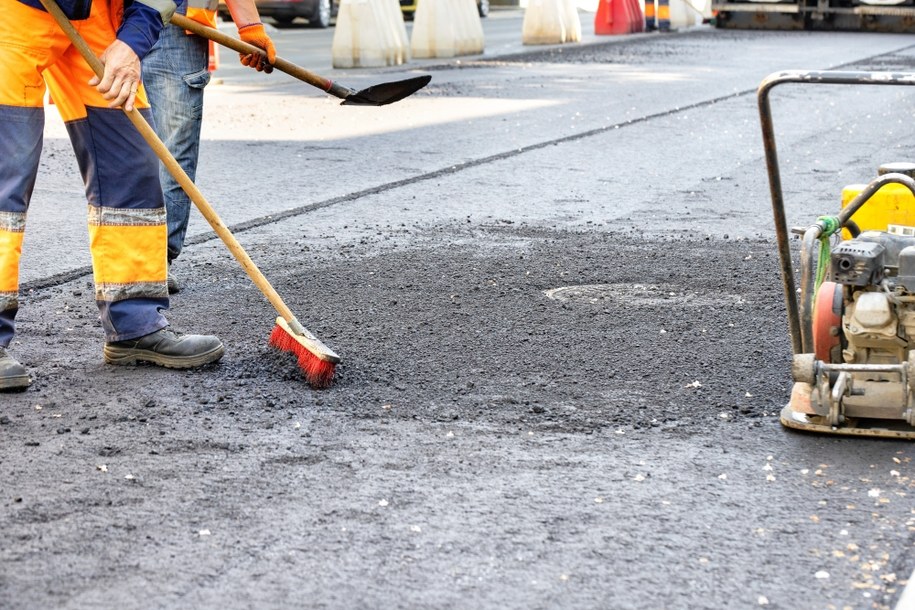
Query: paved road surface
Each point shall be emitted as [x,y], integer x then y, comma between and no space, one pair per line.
[553,282]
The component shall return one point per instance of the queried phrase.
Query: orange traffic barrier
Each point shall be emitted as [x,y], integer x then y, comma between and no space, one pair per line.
[638,23]
[615,17]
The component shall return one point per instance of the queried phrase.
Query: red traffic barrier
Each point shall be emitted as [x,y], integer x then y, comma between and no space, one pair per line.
[638,25]
[616,17]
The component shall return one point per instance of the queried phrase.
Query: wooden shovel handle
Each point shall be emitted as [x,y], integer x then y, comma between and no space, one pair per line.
[281,64]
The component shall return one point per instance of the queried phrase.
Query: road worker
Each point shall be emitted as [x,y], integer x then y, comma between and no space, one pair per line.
[126,215]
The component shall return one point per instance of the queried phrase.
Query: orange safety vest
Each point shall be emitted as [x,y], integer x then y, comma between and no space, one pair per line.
[203,11]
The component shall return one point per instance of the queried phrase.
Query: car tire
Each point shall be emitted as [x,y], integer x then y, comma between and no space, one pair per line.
[321,18]
[483,7]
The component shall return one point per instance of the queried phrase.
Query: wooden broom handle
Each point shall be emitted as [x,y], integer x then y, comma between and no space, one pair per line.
[177,173]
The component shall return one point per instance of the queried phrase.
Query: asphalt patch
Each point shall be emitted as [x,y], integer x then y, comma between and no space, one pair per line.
[130,480]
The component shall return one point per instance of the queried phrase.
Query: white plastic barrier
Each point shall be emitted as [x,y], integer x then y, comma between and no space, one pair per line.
[471,30]
[369,34]
[572,21]
[704,7]
[684,14]
[400,49]
[551,22]
[446,28]
[433,35]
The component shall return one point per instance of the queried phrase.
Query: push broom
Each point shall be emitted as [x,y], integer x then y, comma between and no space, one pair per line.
[317,361]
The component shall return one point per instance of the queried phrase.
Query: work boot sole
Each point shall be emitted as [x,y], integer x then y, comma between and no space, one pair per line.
[127,355]
[19,382]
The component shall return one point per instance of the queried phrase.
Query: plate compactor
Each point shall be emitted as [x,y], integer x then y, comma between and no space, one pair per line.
[852,319]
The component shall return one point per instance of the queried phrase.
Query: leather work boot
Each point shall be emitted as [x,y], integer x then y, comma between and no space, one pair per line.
[13,375]
[167,348]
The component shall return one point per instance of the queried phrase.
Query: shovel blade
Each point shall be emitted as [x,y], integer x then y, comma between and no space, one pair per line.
[386,93]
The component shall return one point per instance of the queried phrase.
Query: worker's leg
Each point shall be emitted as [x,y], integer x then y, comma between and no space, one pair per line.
[29,42]
[174,74]
[127,231]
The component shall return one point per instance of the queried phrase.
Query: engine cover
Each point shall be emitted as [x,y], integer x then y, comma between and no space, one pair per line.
[858,263]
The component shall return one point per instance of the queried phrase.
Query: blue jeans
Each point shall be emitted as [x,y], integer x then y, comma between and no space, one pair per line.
[174,75]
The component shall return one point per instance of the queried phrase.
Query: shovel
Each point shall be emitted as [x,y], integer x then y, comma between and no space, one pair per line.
[376,95]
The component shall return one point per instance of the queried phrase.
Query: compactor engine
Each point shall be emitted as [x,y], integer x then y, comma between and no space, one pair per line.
[857,370]
[874,286]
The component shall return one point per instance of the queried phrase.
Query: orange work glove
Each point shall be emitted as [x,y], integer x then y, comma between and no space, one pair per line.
[254,34]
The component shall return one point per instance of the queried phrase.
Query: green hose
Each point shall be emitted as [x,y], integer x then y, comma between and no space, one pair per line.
[829,225]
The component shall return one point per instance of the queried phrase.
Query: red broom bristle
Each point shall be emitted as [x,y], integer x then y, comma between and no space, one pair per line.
[318,373]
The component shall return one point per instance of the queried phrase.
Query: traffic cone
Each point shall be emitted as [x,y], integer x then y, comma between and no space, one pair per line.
[613,17]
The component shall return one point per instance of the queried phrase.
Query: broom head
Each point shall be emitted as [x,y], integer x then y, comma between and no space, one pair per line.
[317,361]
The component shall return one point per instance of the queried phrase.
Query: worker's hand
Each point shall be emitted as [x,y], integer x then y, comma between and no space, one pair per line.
[254,34]
[121,79]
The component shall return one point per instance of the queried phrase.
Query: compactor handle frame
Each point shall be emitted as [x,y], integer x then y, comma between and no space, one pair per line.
[802,336]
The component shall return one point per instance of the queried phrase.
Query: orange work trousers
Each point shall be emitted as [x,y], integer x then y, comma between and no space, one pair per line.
[126,214]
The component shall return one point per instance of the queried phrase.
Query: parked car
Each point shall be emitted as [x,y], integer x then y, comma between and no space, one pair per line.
[409,7]
[317,12]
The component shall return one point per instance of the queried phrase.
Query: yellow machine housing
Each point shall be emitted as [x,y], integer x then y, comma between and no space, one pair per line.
[891,209]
